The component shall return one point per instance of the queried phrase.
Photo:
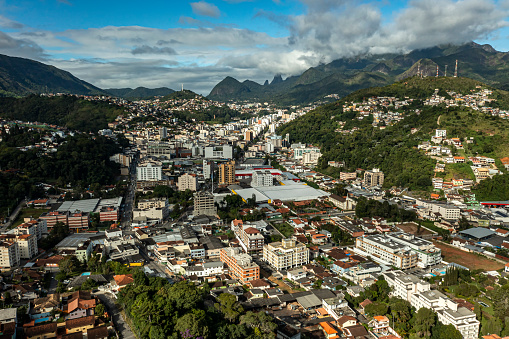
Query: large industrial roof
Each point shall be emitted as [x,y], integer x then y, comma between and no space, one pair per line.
[87,205]
[478,232]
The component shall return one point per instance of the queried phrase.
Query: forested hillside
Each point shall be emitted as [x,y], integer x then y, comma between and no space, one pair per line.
[67,111]
[393,149]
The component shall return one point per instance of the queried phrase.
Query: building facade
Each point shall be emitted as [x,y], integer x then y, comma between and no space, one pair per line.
[149,172]
[286,254]
[387,250]
[187,182]
[227,173]
[372,178]
[204,204]
[240,265]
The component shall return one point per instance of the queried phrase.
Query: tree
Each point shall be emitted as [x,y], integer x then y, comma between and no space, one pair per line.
[423,320]
[192,324]
[229,306]
[445,331]
[259,320]
[376,308]
[492,326]
[69,264]
[99,310]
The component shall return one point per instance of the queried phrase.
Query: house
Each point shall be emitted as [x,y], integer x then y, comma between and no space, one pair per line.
[346,321]
[121,281]
[319,239]
[329,330]
[506,268]
[80,324]
[380,324]
[501,232]
[355,291]
[41,331]
[363,305]
[100,332]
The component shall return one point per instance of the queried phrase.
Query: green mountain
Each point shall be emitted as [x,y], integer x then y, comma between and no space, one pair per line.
[139,92]
[19,76]
[68,111]
[343,76]
[182,95]
[394,149]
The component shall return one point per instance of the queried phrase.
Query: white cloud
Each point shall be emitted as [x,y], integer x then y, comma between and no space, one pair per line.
[205,9]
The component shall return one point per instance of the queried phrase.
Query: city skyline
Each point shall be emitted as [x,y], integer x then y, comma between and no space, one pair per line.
[198,43]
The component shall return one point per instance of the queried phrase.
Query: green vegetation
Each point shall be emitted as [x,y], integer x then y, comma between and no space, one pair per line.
[212,114]
[373,208]
[394,149]
[67,111]
[183,95]
[139,92]
[28,213]
[160,310]
[285,229]
[80,161]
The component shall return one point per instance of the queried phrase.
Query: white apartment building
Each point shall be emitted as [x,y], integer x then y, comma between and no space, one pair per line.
[27,244]
[9,254]
[151,203]
[448,312]
[208,269]
[149,172]
[446,211]
[387,250]
[37,228]
[219,152]
[262,178]
[311,158]
[286,254]
[300,149]
[419,294]
[427,253]
[187,182]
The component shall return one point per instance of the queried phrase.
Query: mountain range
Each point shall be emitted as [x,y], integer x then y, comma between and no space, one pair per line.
[20,77]
[344,76]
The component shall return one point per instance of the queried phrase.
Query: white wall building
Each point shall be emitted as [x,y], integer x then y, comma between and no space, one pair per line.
[262,178]
[219,152]
[149,172]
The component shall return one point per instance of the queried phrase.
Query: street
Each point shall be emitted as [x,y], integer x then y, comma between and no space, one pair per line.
[122,327]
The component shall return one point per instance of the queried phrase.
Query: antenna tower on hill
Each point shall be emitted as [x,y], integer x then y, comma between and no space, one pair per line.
[456,70]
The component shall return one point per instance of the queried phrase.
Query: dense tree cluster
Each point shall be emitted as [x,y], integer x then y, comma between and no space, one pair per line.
[374,208]
[162,310]
[68,111]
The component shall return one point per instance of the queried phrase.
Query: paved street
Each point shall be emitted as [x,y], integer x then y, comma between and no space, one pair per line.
[122,327]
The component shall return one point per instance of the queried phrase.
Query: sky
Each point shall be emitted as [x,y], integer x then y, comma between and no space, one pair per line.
[156,43]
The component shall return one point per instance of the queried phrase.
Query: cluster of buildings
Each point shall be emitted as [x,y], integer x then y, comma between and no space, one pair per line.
[385,110]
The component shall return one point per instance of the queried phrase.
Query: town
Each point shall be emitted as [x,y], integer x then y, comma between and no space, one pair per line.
[232,207]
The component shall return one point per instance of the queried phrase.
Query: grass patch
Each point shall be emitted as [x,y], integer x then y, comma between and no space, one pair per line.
[27,213]
[458,171]
[284,228]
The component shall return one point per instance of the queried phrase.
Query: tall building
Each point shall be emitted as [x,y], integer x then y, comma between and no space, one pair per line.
[149,173]
[240,265]
[227,173]
[187,182]
[373,178]
[286,254]
[262,178]
[9,254]
[248,136]
[163,133]
[204,204]
[251,240]
[219,152]
[207,169]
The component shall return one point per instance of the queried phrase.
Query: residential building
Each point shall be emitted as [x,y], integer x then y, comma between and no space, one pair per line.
[27,244]
[9,254]
[405,285]
[427,253]
[251,240]
[227,173]
[387,251]
[151,203]
[187,182]
[204,204]
[372,178]
[300,149]
[286,254]
[240,265]
[347,175]
[262,178]
[149,172]
[219,152]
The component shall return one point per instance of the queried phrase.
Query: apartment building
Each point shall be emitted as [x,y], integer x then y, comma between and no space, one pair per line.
[219,152]
[240,265]
[227,173]
[372,178]
[187,182]
[9,254]
[27,244]
[109,213]
[387,250]
[286,254]
[262,178]
[347,175]
[53,217]
[78,221]
[419,294]
[204,204]
[427,253]
[446,211]
[35,227]
[251,240]
[149,172]
[300,149]
[151,203]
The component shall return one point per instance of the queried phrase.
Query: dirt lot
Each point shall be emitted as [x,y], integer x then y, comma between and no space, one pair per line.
[470,260]
[282,285]
[412,229]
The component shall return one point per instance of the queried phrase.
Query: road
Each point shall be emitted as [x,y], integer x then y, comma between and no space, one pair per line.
[13,216]
[152,264]
[122,327]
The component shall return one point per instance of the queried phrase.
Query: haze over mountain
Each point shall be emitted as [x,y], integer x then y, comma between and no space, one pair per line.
[343,76]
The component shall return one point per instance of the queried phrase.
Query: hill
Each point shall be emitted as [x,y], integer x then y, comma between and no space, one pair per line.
[19,76]
[393,149]
[139,92]
[343,76]
[182,95]
[68,111]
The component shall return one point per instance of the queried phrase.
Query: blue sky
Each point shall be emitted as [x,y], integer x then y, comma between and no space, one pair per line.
[113,43]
